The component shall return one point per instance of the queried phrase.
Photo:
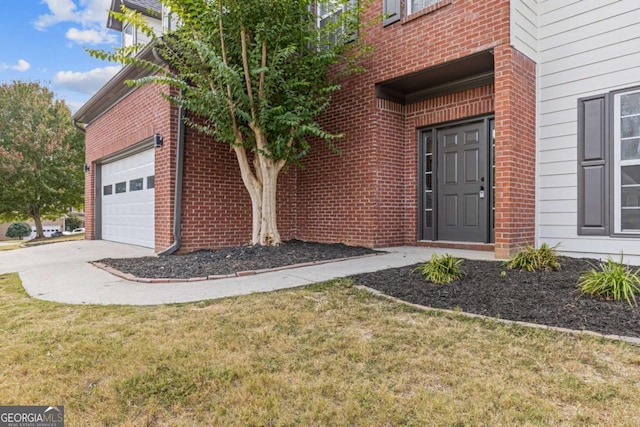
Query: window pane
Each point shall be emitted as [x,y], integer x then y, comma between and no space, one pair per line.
[151,181]
[428,200]
[416,5]
[630,149]
[630,104]
[136,184]
[630,175]
[428,182]
[121,187]
[428,219]
[429,164]
[630,219]
[429,142]
[630,197]
[107,189]
[630,126]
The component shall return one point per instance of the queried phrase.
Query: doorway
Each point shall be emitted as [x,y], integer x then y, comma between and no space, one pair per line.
[457,182]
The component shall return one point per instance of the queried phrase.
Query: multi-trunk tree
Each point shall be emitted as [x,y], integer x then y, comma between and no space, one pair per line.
[41,155]
[254,74]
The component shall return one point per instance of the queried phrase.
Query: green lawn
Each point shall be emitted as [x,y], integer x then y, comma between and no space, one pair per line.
[16,244]
[324,355]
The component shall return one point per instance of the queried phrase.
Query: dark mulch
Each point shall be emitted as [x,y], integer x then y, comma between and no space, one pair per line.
[488,288]
[232,260]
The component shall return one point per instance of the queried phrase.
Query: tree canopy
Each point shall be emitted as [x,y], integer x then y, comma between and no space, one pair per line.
[41,154]
[254,74]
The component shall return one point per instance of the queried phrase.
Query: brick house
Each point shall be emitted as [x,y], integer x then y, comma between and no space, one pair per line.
[478,124]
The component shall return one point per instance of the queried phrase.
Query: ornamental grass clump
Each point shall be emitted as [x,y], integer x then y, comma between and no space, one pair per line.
[441,269]
[614,281]
[545,258]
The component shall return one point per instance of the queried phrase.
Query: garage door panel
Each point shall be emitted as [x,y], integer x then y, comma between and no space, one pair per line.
[129,216]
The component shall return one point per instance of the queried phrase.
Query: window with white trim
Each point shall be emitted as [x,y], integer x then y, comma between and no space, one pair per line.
[329,13]
[416,5]
[626,162]
[609,163]
[129,34]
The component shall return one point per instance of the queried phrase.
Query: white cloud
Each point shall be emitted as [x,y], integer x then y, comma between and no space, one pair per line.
[91,36]
[21,66]
[84,82]
[88,13]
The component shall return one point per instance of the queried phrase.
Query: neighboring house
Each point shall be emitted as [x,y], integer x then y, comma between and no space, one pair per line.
[478,124]
[48,227]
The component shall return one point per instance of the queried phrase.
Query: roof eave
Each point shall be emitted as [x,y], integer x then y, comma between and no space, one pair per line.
[114,90]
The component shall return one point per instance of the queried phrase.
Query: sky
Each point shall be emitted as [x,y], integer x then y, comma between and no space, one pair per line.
[44,41]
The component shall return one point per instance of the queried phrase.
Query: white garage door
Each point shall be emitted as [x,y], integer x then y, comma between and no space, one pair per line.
[128,200]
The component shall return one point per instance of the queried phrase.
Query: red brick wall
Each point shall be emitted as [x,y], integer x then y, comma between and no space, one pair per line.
[368,194]
[135,119]
[515,150]
[216,208]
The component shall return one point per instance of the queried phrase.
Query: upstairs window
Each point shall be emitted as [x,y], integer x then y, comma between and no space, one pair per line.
[329,15]
[416,5]
[128,35]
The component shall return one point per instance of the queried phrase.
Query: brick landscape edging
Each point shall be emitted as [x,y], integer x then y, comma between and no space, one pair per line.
[630,340]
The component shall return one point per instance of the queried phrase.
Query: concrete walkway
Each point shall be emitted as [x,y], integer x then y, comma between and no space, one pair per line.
[61,272]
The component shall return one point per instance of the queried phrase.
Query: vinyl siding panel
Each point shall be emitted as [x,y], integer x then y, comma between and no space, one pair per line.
[524,27]
[585,48]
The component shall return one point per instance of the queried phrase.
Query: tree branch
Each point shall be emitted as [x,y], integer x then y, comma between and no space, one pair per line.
[247,72]
[263,73]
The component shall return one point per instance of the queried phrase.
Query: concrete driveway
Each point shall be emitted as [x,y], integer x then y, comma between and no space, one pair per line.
[61,272]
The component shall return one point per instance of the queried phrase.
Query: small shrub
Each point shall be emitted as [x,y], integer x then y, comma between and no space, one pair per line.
[614,281]
[72,222]
[18,230]
[441,269]
[531,259]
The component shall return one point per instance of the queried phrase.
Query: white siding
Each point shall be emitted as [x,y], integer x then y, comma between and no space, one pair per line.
[524,27]
[585,47]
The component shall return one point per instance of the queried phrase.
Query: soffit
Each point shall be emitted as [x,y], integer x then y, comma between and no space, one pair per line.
[454,76]
[151,8]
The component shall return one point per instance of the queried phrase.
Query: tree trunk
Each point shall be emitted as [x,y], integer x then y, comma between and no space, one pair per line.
[261,183]
[269,234]
[36,218]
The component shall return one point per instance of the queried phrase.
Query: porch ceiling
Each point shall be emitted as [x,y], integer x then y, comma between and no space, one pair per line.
[454,76]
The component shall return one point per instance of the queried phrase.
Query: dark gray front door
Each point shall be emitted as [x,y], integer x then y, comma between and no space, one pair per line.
[462,190]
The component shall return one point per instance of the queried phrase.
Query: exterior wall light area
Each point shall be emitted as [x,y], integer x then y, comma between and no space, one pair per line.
[157,140]
[86,168]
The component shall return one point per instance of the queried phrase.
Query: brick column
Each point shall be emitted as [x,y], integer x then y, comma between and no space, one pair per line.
[515,115]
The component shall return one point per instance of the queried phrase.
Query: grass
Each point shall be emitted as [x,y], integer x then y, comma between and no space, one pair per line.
[16,244]
[327,354]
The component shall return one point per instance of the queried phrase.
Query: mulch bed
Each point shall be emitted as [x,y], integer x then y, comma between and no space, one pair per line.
[488,288]
[232,260]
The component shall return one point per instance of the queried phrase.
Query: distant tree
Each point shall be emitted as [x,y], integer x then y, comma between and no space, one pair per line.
[18,230]
[41,155]
[257,74]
